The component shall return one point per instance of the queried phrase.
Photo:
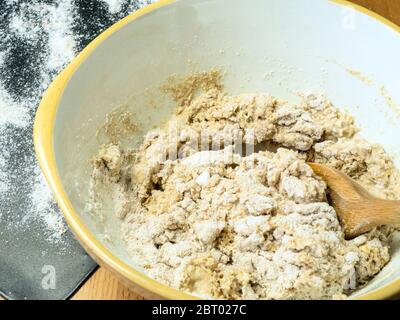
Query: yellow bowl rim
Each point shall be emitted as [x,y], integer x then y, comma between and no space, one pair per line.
[44,148]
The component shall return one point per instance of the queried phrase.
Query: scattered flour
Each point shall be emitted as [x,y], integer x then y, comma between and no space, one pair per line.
[46,27]
[31,24]
[11,112]
[3,176]
[61,41]
[44,208]
[114,5]
[23,27]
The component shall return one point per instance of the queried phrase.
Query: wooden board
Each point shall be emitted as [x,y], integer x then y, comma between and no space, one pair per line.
[103,286]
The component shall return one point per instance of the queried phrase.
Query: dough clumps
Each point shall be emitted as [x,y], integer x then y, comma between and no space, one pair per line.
[221,203]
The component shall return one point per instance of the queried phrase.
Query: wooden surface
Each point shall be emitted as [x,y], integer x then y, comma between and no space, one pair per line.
[103,286]
[387,8]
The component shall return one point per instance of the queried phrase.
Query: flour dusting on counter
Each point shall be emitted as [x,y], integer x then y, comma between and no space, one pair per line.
[44,36]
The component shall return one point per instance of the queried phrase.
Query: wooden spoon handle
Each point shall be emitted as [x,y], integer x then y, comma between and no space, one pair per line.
[387,212]
[369,214]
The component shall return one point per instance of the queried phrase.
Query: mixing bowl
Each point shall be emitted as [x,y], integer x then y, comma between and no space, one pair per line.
[276,46]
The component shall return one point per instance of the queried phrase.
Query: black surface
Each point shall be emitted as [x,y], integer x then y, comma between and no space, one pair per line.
[24,247]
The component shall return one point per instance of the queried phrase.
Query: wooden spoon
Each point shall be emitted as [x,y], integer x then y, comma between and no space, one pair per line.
[358,210]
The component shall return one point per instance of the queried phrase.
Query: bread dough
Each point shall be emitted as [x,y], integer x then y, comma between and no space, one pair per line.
[221,203]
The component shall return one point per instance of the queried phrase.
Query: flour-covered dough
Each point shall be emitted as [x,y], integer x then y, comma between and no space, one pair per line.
[220,202]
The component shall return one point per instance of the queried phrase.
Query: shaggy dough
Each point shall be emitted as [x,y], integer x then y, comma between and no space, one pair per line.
[221,203]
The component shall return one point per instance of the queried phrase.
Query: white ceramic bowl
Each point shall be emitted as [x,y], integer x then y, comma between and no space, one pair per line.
[275,46]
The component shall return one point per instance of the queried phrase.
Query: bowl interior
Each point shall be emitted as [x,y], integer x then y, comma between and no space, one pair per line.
[277,46]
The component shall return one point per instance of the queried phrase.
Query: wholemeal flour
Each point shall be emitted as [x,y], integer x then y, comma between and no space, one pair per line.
[221,203]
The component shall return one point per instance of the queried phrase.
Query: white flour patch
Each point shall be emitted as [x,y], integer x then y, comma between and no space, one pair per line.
[11,113]
[3,176]
[61,38]
[23,27]
[44,209]
[46,28]
[114,6]
[55,22]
